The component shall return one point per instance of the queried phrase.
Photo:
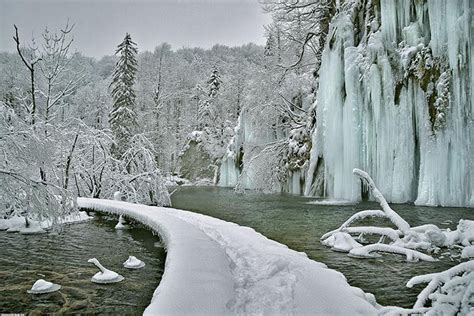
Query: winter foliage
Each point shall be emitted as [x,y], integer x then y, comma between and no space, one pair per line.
[123,117]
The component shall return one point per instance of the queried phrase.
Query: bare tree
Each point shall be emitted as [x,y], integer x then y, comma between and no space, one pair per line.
[54,68]
[30,64]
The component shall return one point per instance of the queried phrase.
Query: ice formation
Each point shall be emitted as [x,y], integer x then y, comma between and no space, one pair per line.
[403,240]
[18,223]
[41,287]
[121,223]
[215,267]
[104,276]
[133,263]
[396,99]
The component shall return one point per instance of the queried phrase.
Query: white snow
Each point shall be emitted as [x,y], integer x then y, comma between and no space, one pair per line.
[41,286]
[372,115]
[468,252]
[104,275]
[367,252]
[121,223]
[332,202]
[344,242]
[133,263]
[450,291]
[18,224]
[215,267]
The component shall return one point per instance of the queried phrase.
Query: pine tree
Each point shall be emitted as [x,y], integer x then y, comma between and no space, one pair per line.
[207,112]
[122,118]
[214,83]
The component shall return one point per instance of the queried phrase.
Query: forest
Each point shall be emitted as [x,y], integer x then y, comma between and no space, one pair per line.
[348,103]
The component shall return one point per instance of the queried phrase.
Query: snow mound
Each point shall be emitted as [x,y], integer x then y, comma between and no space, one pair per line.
[133,263]
[18,223]
[215,267]
[41,286]
[332,202]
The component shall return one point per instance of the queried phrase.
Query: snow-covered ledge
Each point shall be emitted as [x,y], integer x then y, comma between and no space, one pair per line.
[215,267]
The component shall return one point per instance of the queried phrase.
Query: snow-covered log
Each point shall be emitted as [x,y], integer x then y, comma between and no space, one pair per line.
[371,230]
[391,214]
[367,252]
[450,291]
[356,217]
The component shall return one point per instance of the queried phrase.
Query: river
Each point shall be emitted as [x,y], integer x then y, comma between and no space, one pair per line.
[62,258]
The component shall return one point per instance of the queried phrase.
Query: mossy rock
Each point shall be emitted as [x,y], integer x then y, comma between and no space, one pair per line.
[195,163]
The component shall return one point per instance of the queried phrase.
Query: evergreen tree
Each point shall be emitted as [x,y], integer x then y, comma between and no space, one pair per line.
[214,83]
[122,118]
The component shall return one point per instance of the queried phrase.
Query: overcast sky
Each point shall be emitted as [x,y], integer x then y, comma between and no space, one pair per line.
[101,24]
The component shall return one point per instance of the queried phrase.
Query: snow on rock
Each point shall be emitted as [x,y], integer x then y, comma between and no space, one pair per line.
[121,223]
[133,263]
[41,287]
[468,252]
[215,267]
[12,224]
[466,232]
[344,242]
[104,275]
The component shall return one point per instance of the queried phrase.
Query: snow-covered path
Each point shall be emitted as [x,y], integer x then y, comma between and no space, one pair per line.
[215,267]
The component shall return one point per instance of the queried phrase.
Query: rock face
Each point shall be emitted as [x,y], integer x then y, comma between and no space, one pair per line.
[195,163]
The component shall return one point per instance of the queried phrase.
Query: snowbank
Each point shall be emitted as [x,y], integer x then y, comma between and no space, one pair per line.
[332,202]
[18,223]
[215,267]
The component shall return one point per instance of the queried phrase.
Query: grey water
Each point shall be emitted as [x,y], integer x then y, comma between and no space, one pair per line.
[62,259]
[292,221]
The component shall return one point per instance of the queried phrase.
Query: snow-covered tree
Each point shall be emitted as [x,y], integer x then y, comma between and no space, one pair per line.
[214,83]
[123,115]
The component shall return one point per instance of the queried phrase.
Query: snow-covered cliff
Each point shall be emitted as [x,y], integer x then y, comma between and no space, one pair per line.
[395,98]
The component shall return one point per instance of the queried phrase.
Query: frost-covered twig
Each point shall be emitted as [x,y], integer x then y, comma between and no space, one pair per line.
[436,280]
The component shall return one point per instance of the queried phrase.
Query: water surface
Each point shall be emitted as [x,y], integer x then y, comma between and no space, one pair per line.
[62,259]
[292,221]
